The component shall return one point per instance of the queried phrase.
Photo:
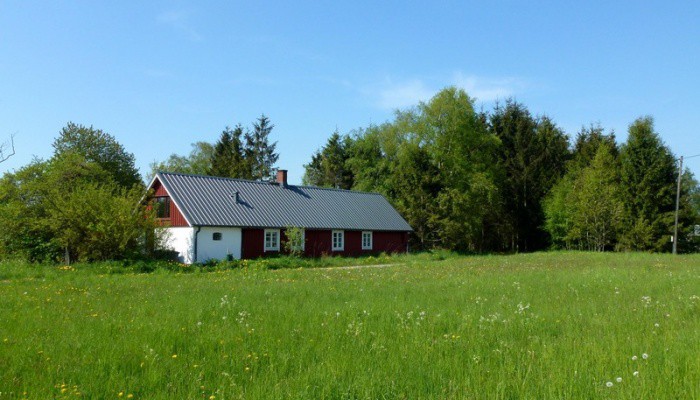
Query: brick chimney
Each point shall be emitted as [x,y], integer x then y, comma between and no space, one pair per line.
[282,177]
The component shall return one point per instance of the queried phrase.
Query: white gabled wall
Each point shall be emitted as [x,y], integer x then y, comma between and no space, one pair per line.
[181,239]
[230,243]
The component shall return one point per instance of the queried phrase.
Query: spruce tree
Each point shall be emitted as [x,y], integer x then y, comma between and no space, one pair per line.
[328,166]
[227,159]
[259,152]
[648,184]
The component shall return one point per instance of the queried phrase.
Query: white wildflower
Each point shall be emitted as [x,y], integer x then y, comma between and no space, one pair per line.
[634,358]
[609,384]
[618,379]
[645,356]
[635,373]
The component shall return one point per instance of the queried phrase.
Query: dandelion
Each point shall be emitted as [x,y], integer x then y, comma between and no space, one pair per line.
[212,397]
[129,396]
[618,379]
[645,356]
[174,355]
[120,394]
[609,384]
[635,373]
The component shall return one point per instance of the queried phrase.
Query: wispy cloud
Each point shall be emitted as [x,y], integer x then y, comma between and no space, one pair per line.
[404,94]
[180,21]
[391,95]
[488,89]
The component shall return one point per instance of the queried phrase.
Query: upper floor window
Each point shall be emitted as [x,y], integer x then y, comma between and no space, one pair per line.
[367,240]
[338,240]
[272,240]
[162,205]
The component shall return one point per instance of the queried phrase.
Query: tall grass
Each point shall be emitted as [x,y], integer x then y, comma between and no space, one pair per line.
[547,325]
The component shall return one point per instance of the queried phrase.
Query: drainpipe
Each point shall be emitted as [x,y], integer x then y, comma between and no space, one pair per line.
[199,228]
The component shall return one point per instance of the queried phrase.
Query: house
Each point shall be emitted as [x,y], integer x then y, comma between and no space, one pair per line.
[213,218]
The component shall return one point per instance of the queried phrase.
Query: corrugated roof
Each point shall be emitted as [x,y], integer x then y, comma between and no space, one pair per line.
[210,201]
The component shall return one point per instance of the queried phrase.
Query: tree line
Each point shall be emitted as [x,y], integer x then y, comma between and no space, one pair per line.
[473,181]
[506,180]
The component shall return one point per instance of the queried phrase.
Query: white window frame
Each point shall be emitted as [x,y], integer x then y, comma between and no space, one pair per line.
[277,242]
[371,240]
[342,241]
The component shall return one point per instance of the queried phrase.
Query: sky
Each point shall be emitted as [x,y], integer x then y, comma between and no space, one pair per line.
[160,75]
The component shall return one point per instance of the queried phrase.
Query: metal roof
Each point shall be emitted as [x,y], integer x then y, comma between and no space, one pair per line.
[211,201]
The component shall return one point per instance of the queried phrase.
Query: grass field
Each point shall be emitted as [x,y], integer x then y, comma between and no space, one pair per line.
[540,326]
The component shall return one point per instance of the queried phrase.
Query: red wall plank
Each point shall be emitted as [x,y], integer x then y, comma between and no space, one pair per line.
[176,217]
[318,243]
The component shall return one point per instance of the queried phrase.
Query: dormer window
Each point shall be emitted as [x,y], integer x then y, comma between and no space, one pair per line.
[162,205]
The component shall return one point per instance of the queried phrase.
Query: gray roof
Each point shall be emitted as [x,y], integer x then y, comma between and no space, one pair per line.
[209,201]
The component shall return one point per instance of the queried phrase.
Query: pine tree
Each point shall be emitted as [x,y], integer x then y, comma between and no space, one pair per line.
[532,158]
[328,166]
[228,159]
[259,153]
[648,183]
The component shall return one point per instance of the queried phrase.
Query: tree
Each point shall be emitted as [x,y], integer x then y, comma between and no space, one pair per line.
[259,152]
[416,185]
[197,162]
[101,148]
[532,158]
[328,166]
[598,209]
[586,145]
[228,159]
[436,163]
[72,208]
[648,185]
[7,149]
[559,209]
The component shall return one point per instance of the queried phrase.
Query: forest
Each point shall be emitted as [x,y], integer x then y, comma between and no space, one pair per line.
[497,181]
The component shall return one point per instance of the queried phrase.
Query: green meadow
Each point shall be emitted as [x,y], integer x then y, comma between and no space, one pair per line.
[537,326]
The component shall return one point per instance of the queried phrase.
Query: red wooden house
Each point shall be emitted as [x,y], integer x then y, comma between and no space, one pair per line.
[212,218]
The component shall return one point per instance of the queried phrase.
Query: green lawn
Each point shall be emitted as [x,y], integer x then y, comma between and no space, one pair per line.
[540,326]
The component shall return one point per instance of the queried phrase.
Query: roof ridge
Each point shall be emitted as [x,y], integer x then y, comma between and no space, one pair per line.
[215,177]
[267,182]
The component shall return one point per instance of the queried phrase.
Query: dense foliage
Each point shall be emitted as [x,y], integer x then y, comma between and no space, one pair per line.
[510,181]
[82,204]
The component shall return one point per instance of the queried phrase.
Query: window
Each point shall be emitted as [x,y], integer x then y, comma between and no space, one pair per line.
[338,240]
[162,207]
[366,240]
[216,236]
[272,240]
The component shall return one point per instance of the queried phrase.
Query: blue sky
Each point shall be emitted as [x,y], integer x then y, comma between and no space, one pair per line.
[161,75]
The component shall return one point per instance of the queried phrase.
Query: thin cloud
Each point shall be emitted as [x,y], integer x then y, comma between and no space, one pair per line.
[410,93]
[404,94]
[488,89]
[180,21]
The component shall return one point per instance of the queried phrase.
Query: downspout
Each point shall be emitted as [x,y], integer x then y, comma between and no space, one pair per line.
[199,228]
